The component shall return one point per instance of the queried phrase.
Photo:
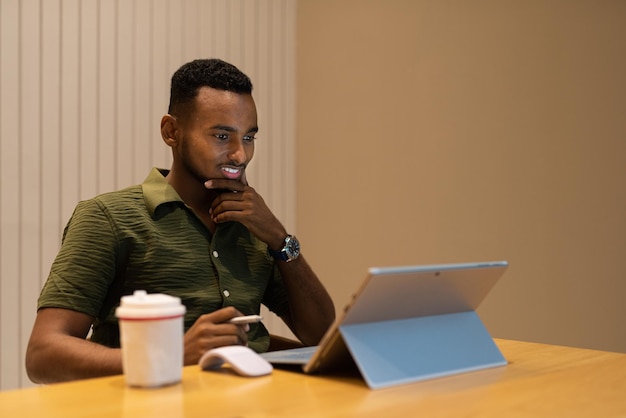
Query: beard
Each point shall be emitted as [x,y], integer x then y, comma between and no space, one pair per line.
[189,166]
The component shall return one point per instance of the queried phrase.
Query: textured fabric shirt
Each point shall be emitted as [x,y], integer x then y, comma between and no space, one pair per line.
[145,237]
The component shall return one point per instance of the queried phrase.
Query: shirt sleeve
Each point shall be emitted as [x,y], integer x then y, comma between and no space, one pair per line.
[85,265]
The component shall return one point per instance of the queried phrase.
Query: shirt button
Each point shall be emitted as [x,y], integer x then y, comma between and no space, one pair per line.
[226,293]
[215,254]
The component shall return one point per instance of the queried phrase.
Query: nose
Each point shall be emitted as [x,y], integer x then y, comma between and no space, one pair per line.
[237,152]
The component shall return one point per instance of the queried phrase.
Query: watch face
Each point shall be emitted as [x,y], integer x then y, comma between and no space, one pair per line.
[292,247]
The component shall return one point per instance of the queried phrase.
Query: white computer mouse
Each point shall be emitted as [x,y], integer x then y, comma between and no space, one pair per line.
[243,360]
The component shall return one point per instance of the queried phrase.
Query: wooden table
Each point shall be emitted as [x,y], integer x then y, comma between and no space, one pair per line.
[540,380]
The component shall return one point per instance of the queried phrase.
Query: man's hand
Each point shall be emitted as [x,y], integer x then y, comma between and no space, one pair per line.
[241,203]
[213,330]
[311,308]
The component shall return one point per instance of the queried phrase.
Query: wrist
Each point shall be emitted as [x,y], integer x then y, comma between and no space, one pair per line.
[275,237]
[288,250]
[277,243]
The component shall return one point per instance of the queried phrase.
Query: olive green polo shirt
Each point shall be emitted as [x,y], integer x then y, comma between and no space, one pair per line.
[145,237]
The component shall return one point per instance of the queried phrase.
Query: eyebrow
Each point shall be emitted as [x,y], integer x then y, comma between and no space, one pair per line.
[232,129]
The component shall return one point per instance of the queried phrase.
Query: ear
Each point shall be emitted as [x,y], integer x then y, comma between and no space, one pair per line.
[169,130]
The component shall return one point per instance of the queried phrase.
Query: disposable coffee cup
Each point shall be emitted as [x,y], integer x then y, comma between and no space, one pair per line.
[151,336]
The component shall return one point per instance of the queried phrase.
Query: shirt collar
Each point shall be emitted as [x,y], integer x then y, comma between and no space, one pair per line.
[157,191]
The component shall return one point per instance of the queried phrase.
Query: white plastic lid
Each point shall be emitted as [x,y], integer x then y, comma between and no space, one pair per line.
[141,305]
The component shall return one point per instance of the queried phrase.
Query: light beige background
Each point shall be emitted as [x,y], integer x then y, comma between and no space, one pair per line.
[453,131]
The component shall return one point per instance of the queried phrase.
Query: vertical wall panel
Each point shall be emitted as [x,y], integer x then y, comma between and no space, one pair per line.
[50,135]
[278,174]
[160,89]
[9,193]
[89,122]
[235,33]
[107,92]
[249,29]
[30,166]
[262,94]
[70,106]
[141,88]
[190,26]
[175,37]
[83,86]
[125,106]
[287,106]
[219,29]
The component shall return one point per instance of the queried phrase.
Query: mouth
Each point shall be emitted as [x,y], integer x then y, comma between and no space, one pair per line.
[232,172]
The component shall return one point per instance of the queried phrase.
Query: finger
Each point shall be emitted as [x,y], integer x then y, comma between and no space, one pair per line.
[230,210]
[236,204]
[228,216]
[224,340]
[227,197]
[225,184]
[223,314]
[239,332]
[217,318]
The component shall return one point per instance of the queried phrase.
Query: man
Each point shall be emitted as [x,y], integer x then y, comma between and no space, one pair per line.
[197,231]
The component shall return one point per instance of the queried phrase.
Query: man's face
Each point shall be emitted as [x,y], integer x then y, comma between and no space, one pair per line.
[218,135]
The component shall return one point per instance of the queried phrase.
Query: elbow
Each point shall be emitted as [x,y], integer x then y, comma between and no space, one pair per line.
[324,322]
[328,320]
[36,363]
[32,363]
[315,335]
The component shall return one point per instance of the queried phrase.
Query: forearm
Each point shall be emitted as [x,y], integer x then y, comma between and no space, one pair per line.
[311,307]
[62,358]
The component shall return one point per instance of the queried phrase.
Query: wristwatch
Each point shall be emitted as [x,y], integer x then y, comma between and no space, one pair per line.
[289,252]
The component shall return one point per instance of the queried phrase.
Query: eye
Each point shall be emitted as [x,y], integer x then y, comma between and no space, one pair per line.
[249,138]
[222,137]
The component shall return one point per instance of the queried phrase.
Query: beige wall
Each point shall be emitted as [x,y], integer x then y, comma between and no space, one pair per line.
[433,131]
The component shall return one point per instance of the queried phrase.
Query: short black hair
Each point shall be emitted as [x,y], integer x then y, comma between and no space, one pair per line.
[214,73]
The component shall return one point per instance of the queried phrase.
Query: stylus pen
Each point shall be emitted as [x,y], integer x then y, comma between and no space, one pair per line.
[248,319]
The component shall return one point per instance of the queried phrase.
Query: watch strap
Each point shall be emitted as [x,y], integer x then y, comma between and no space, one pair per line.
[278,255]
